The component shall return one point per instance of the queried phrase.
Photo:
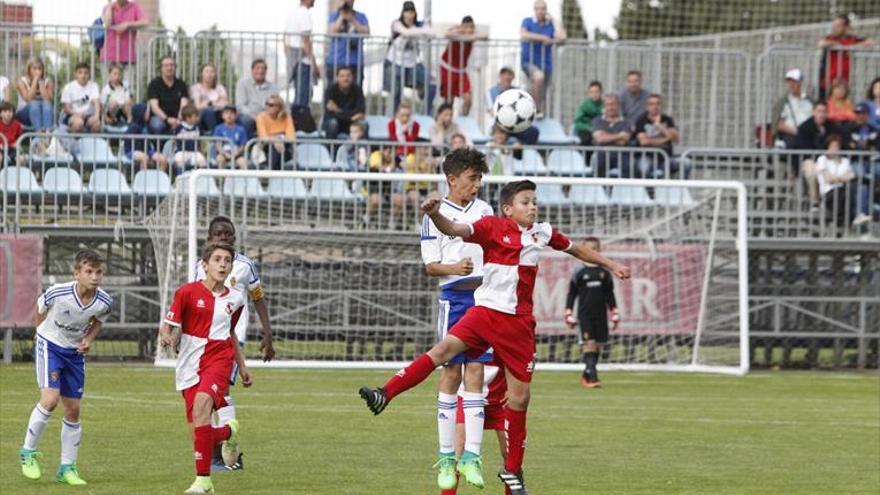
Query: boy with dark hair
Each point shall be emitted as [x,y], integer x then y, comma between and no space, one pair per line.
[187,133]
[81,102]
[502,317]
[454,81]
[588,110]
[593,287]
[10,129]
[231,151]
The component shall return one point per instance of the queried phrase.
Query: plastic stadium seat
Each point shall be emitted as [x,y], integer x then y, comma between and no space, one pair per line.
[673,196]
[425,123]
[581,194]
[313,156]
[332,189]
[95,151]
[551,132]
[19,180]
[151,183]
[530,164]
[243,187]
[206,186]
[630,196]
[62,180]
[551,194]
[378,130]
[287,188]
[471,129]
[108,182]
[568,163]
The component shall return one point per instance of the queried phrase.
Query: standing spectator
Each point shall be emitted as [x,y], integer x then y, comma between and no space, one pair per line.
[655,129]
[403,66]
[116,98]
[251,94]
[354,155]
[611,130]
[301,63]
[81,102]
[812,135]
[4,89]
[166,95]
[346,28]
[187,143]
[791,110]
[276,125]
[231,151]
[633,98]
[837,183]
[538,35]
[836,59]
[588,110]
[840,105]
[139,150]
[122,19]
[403,129]
[505,82]
[344,104]
[11,130]
[209,97]
[444,128]
[454,80]
[872,98]
[35,93]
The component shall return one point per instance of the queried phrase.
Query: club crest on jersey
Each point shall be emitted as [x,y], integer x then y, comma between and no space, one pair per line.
[53,376]
[506,239]
[229,308]
[200,303]
[232,282]
[535,237]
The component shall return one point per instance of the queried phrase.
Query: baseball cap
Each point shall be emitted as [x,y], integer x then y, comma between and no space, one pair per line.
[794,74]
[863,108]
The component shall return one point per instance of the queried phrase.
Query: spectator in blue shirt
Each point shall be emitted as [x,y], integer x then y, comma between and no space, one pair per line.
[231,150]
[346,28]
[538,35]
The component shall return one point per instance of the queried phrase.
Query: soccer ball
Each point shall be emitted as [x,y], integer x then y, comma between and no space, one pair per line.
[514,111]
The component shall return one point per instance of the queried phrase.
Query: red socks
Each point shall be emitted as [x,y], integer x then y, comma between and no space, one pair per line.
[204,439]
[220,434]
[410,376]
[452,491]
[515,424]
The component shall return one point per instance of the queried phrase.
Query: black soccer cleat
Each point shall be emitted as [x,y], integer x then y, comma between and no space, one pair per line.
[238,465]
[375,399]
[514,481]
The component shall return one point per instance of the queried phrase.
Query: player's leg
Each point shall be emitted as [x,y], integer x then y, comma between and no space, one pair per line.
[232,461]
[73,376]
[447,403]
[46,368]
[502,448]
[470,464]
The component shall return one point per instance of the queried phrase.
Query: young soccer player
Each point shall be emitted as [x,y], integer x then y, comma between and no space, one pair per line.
[206,313]
[593,287]
[459,267]
[502,317]
[245,279]
[69,318]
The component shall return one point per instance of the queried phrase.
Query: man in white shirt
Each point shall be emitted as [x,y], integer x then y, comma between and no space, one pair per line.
[791,110]
[300,55]
[81,101]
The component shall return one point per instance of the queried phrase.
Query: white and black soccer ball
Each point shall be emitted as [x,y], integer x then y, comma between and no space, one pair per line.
[514,111]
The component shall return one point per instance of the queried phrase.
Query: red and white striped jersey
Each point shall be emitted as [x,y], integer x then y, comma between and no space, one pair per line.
[510,261]
[206,321]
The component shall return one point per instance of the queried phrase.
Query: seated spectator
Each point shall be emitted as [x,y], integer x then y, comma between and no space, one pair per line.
[276,126]
[4,89]
[501,152]
[505,82]
[588,110]
[458,141]
[353,156]
[444,128]
[384,161]
[611,130]
[872,98]
[862,136]
[812,135]
[403,66]
[166,95]
[188,155]
[837,184]
[419,162]
[454,80]
[655,129]
[346,29]
[836,59]
[10,129]
[299,51]
[116,98]
[403,129]
[538,35]
[840,105]
[35,93]
[81,102]
[231,151]
[141,151]
[251,94]
[791,110]
[344,104]
[209,97]
[633,98]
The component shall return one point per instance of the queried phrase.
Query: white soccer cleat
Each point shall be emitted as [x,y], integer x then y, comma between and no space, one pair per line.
[229,449]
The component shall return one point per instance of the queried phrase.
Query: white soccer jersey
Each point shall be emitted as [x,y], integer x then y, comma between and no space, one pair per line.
[444,249]
[67,319]
[245,279]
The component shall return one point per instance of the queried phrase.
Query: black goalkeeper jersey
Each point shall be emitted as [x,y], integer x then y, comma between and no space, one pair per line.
[593,287]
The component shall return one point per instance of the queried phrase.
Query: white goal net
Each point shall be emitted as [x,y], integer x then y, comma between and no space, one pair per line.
[339,259]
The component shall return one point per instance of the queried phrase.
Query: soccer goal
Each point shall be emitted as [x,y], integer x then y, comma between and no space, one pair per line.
[339,259]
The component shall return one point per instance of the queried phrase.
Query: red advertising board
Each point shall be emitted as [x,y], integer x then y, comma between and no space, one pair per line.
[21,273]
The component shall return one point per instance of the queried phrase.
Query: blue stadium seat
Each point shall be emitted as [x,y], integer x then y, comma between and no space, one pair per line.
[206,186]
[567,163]
[95,151]
[673,196]
[378,127]
[62,181]
[581,194]
[109,183]
[551,132]
[551,194]
[334,189]
[19,180]
[530,164]
[287,188]
[425,123]
[471,129]
[313,156]
[630,196]
[151,184]
[243,187]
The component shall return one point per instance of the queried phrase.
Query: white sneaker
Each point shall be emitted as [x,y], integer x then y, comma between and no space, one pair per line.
[860,219]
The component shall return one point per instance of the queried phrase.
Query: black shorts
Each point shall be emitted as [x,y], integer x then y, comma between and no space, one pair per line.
[594,329]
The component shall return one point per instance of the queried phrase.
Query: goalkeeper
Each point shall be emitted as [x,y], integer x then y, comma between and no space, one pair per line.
[593,287]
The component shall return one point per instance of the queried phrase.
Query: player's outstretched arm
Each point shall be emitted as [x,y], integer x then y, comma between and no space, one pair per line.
[589,255]
[431,207]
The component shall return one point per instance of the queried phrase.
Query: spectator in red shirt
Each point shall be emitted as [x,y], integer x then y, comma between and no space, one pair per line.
[840,106]
[403,129]
[836,60]
[11,130]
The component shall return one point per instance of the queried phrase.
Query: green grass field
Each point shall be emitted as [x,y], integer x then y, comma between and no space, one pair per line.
[307,432]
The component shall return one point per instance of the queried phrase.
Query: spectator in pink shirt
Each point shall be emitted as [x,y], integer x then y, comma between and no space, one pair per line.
[122,19]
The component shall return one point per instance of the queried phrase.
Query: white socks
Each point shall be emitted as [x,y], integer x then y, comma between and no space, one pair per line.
[474,418]
[71,434]
[226,414]
[36,425]
[446,406]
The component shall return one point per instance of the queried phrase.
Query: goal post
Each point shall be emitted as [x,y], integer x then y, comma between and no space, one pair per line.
[340,261]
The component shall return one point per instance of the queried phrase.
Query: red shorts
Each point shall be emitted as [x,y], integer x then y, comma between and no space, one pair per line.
[494,416]
[214,382]
[511,336]
[453,84]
